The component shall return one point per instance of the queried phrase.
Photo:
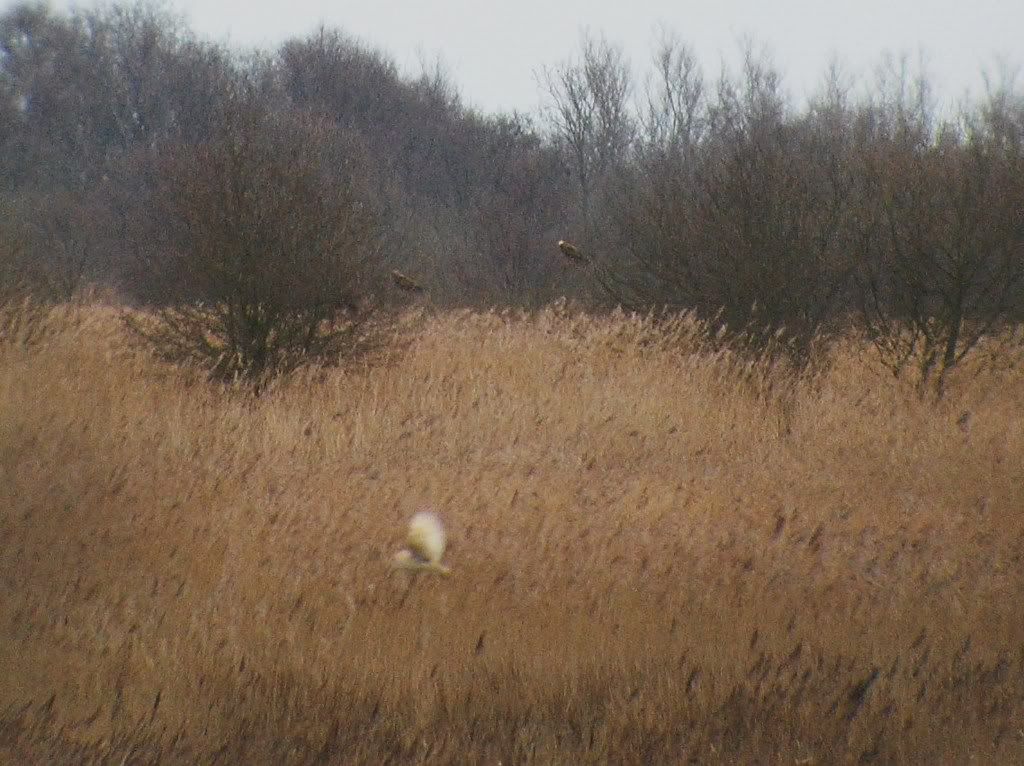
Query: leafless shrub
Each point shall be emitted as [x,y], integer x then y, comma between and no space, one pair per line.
[266,260]
[943,237]
[737,209]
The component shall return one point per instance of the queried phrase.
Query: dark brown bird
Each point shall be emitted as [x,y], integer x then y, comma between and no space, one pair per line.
[405,283]
[571,252]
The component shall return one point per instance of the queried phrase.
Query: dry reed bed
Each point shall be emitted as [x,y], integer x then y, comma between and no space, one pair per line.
[658,555]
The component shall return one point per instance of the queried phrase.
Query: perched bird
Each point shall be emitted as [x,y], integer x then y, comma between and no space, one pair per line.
[571,252]
[405,283]
[424,545]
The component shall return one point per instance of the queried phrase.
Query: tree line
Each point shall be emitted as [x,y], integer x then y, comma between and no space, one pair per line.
[267,194]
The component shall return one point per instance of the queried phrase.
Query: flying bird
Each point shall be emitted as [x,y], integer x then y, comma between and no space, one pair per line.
[571,252]
[424,545]
[405,283]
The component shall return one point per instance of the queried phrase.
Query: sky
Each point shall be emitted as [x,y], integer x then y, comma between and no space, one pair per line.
[493,50]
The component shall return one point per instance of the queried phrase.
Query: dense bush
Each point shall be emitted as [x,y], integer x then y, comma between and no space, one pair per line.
[260,244]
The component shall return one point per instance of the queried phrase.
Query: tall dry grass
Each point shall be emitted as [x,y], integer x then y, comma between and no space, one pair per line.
[659,555]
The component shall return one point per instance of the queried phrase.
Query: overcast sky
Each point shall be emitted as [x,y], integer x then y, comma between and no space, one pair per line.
[494,49]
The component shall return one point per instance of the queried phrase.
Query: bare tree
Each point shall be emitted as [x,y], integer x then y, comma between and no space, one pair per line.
[49,68]
[740,213]
[268,252]
[944,247]
[675,116]
[590,113]
[518,205]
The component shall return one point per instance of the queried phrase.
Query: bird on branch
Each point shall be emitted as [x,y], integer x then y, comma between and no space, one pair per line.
[571,252]
[402,282]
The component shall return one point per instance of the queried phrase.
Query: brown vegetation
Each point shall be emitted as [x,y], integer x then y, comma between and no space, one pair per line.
[657,555]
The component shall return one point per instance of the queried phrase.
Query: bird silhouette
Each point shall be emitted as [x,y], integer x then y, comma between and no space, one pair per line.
[425,545]
[571,252]
[408,284]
